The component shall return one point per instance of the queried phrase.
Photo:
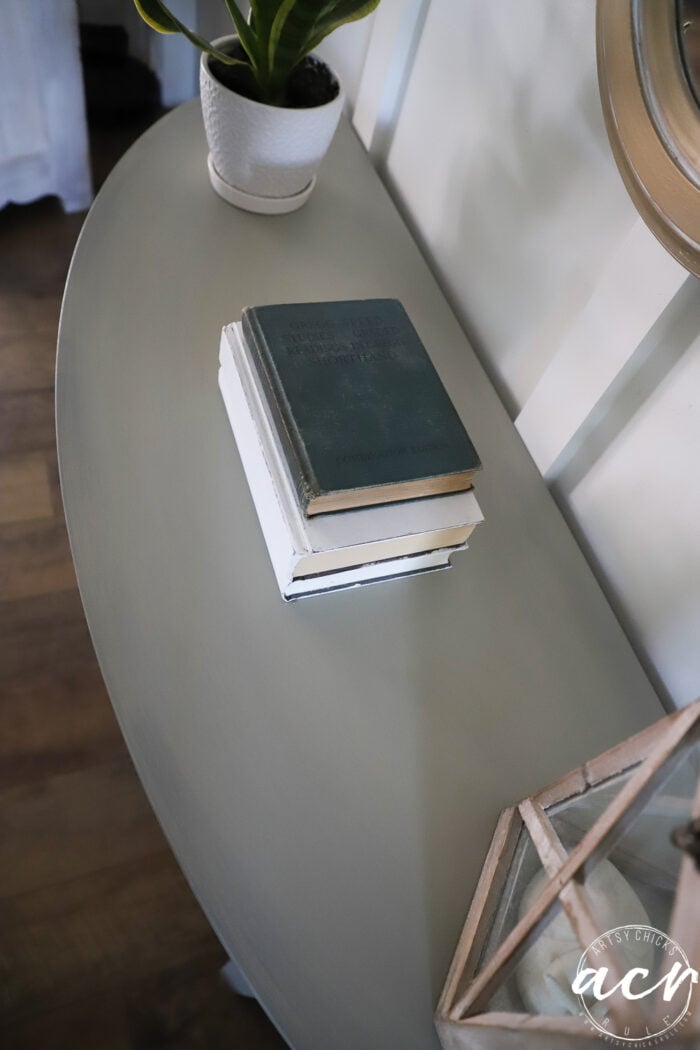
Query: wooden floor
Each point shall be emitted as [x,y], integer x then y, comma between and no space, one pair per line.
[102,944]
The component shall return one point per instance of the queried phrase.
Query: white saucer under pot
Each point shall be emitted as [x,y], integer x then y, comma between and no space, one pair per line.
[263,158]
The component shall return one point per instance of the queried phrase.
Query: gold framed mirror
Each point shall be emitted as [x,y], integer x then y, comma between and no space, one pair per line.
[649,76]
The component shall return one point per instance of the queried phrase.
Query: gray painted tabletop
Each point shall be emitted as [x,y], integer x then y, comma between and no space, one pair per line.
[329,773]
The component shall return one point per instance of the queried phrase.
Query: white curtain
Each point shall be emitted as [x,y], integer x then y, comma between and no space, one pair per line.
[43,131]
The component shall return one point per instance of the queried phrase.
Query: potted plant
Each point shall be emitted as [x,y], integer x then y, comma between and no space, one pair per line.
[270,106]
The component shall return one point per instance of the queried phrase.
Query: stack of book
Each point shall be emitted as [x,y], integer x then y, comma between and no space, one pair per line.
[358,464]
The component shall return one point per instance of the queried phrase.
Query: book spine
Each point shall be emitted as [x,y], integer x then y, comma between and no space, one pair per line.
[280,549]
[302,473]
[238,358]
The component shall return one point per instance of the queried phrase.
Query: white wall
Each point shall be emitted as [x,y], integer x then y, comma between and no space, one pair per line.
[633,491]
[498,157]
[345,51]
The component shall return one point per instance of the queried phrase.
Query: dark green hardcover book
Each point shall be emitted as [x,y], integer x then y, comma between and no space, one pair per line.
[361,413]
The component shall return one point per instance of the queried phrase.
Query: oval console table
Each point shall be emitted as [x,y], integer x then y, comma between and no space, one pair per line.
[328,773]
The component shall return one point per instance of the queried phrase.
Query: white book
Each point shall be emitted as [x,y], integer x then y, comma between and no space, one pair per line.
[345,539]
[376,572]
[274,527]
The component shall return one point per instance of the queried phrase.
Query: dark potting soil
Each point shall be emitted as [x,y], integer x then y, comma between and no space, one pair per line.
[311,83]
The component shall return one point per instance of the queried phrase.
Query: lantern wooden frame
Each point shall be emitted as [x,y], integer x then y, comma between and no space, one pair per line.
[461,1018]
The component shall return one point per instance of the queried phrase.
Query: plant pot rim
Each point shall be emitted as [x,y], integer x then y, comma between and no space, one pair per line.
[221,41]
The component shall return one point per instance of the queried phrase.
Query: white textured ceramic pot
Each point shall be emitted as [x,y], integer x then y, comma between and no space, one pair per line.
[263,158]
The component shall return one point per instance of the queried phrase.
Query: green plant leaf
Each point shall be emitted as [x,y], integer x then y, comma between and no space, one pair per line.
[293,25]
[278,36]
[263,14]
[246,35]
[300,25]
[341,13]
[156,17]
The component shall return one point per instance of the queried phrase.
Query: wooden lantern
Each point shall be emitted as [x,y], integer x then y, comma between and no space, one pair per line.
[621,834]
